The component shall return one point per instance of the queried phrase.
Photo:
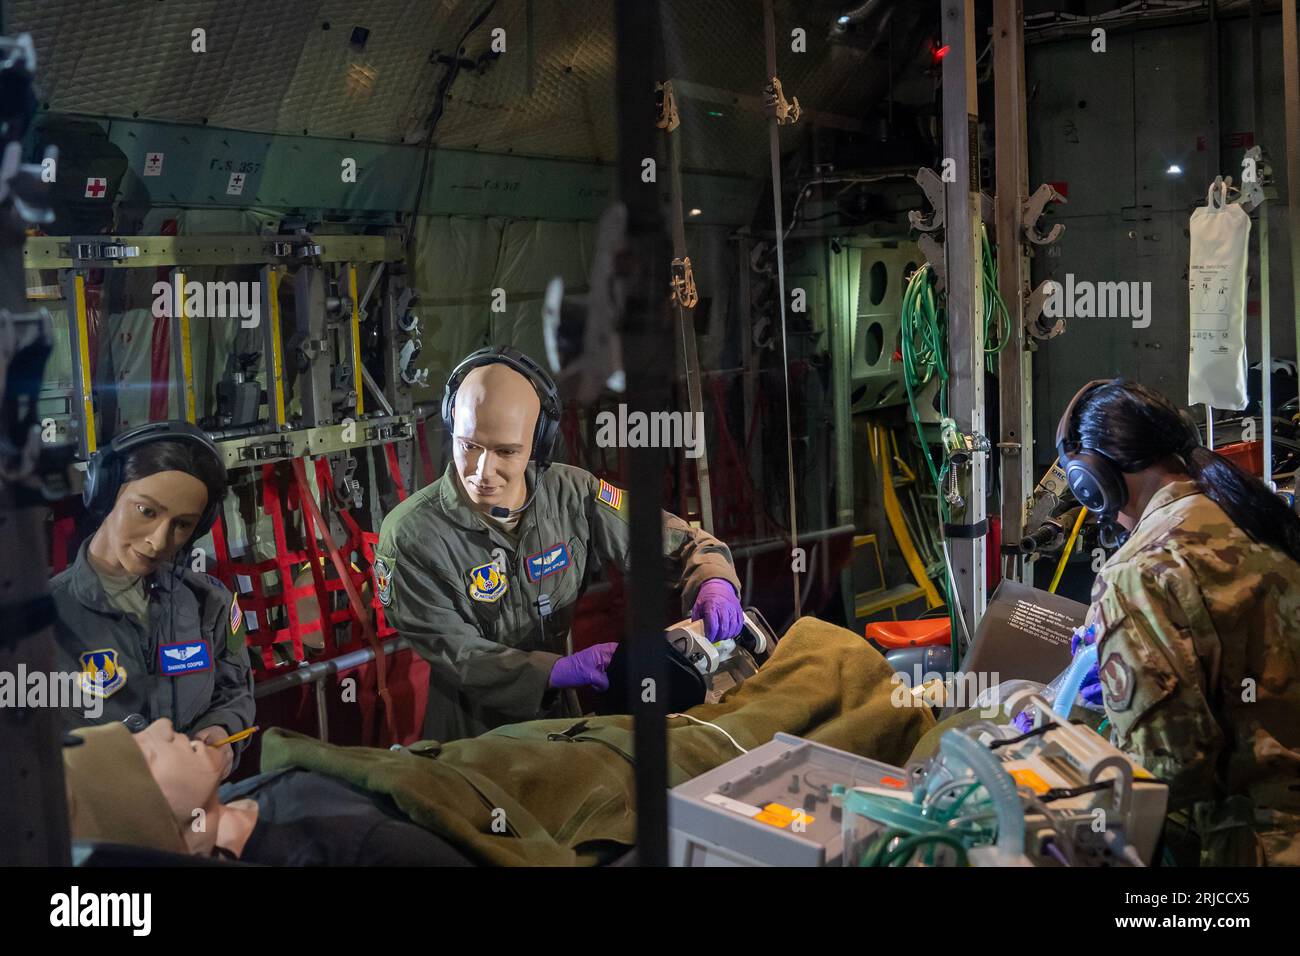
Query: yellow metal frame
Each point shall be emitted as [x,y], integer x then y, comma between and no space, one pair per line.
[185,355]
[83,354]
[277,350]
[356,338]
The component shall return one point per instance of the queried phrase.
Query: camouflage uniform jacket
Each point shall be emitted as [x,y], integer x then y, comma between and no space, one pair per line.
[465,593]
[1199,653]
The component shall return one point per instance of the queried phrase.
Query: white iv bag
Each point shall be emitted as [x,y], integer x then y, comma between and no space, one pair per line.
[1220,234]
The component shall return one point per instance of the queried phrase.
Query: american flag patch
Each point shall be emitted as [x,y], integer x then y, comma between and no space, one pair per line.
[610,495]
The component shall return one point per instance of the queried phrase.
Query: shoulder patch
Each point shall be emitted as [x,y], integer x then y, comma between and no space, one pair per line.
[236,614]
[1117,682]
[101,674]
[383,573]
[487,583]
[610,495]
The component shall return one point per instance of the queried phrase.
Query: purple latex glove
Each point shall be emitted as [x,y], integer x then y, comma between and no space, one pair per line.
[1091,689]
[1024,721]
[718,607]
[586,668]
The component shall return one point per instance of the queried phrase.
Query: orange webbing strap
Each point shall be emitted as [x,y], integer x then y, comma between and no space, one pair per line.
[354,597]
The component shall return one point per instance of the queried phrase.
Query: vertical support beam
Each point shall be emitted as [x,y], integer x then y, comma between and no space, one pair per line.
[749,362]
[182,353]
[842,316]
[79,327]
[357,383]
[647,337]
[842,310]
[1291,84]
[1265,318]
[965,294]
[688,353]
[273,348]
[778,219]
[1016,443]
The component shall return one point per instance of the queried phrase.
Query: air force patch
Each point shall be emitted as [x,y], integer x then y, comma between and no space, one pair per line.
[610,495]
[186,657]
[1117,683]
[101,675]
[383,581]
[552,560]
[487,583]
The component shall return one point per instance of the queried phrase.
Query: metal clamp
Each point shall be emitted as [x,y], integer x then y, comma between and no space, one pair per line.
[960,446]
[932,186]
[389,431]
[1256,192]
[261,451]
[1035,319]
[347,485]
[683,283]
[932,249]
[667,118]
[785,111]
[410,352]
[405,319]
[85,251]
[1032,211]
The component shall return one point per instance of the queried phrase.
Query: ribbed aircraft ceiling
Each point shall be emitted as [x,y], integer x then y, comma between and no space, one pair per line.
[292,68]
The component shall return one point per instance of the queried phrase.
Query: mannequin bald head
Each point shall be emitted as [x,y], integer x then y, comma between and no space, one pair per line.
[493,422]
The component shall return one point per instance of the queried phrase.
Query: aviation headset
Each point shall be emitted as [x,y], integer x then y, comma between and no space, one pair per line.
[104,469]
[548,421]
[1096,479]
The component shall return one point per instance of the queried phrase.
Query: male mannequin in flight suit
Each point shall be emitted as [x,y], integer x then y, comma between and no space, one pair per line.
[481,570]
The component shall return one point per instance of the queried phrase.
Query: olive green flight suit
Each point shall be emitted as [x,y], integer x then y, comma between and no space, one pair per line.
[1199,658]
[131,662]
[464,592]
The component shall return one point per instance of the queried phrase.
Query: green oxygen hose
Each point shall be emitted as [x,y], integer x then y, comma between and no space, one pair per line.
[900,854]
[924,348]
[994,308]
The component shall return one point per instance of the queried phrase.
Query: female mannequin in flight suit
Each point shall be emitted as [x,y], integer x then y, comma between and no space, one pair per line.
[147,635]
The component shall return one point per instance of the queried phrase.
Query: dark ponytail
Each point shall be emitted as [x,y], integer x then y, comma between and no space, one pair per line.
[1136,427]
[1246,500]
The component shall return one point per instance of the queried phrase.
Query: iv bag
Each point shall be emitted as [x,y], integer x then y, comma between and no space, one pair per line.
[1220,233]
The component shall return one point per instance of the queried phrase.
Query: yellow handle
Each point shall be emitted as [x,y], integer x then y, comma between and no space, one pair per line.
[1069,546]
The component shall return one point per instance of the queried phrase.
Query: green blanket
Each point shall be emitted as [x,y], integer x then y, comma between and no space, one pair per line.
[561,792]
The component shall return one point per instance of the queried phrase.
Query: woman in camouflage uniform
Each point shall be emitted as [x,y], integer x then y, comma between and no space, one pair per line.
[1198,623]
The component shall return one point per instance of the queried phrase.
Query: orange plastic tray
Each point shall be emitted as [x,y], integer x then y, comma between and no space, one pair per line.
[892,635]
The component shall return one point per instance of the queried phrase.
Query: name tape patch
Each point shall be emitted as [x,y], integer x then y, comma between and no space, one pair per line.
[549,561]
[187,657]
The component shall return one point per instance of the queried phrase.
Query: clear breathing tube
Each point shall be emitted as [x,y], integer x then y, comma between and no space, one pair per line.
[1073,681]
[957,748]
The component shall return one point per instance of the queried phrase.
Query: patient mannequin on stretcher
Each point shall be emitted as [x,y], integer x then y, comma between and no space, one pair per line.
[286,818]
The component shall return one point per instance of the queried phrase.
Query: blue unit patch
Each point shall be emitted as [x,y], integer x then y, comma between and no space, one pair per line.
[551,560]
[487,583]
[186,657]
[101,674]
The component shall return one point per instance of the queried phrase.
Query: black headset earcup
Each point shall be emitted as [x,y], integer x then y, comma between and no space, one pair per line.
[1096,482]
[100,484]
[544,442]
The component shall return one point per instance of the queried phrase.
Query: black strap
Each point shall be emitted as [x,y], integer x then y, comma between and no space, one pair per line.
[977,530]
